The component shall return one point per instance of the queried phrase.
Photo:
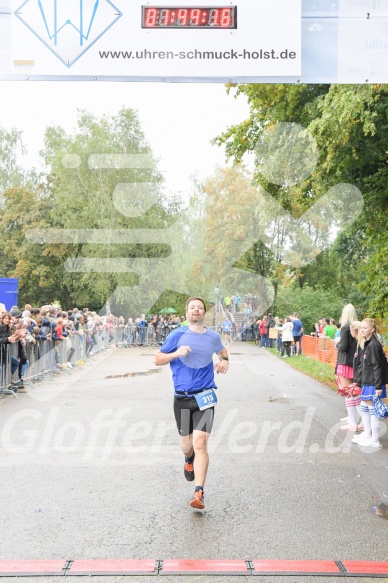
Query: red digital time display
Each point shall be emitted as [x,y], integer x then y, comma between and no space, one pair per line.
[189,17]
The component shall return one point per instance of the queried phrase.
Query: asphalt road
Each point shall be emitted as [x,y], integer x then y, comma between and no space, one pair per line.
[91,468]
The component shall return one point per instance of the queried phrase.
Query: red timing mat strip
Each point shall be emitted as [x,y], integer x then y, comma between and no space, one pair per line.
[366,567]
[54,567]
[106,566]
[35,568]
[191,566]
[296,566]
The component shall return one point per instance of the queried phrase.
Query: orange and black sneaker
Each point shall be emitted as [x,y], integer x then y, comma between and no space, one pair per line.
[197,501]
[189,471]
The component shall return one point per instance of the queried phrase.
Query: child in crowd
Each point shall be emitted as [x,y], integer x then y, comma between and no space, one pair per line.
[347,345]
[372,374]
[353,404]
[59,329]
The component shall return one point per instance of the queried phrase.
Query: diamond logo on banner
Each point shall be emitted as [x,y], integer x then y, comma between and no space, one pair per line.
[68,27]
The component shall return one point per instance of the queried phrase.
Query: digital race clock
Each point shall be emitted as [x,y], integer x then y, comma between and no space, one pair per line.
[189,17]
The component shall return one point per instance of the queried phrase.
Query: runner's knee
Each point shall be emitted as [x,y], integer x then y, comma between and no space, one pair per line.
[200,442]
[186,443]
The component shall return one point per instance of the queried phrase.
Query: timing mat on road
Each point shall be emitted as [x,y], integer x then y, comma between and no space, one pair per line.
[114,567]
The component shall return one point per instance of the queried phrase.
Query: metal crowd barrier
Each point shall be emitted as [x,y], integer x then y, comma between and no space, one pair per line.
[6,380]
[101,339]
[44,359]
[129,335]
[132,335]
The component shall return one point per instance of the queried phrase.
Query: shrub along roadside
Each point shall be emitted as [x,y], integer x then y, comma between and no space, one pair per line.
[320,371]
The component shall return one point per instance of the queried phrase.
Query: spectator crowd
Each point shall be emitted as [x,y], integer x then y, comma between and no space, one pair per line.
[42,341]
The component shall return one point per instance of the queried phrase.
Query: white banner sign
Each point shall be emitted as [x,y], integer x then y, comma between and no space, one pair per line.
[364,50]
[130,38]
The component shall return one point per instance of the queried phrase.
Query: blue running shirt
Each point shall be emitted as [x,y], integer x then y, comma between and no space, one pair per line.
[193,372]
[297,327]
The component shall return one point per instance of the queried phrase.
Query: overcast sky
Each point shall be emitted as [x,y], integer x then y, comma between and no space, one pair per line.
[178,120]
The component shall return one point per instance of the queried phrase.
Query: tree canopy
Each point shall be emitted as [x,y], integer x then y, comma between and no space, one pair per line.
[349,124]
[70,232]
[96,224]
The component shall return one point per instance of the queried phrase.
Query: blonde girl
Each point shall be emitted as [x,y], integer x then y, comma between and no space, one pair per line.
[372,374]
[353,403]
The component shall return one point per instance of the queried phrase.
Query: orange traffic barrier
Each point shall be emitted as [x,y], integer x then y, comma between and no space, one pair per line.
[322,349]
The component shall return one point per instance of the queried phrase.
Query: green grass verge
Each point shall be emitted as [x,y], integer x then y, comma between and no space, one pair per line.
[315,369]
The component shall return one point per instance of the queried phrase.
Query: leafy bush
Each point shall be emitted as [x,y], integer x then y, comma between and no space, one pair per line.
[310,303]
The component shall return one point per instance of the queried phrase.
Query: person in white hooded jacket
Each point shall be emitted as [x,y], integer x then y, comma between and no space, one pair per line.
[287,336]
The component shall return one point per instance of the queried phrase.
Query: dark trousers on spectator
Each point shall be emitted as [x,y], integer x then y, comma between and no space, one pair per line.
[287,346]
[14,364]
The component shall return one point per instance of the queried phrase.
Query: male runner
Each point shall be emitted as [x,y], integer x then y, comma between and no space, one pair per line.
[189,350]
[226,328]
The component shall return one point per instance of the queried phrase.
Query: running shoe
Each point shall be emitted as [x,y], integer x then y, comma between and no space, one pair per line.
[373,444]
[361,437]
[197,501]
[189,471]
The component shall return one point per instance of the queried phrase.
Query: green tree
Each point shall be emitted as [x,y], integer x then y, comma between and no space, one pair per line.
[11,149]
[86,196]
[310,303]
[349,123]
[237,213]
[38,273]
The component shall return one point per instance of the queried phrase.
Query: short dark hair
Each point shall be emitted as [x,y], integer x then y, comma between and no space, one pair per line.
[195,298]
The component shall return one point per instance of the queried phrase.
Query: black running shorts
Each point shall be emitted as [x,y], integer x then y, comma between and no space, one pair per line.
[188,416]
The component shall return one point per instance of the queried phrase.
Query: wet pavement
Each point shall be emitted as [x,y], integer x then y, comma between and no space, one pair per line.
[91,468]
